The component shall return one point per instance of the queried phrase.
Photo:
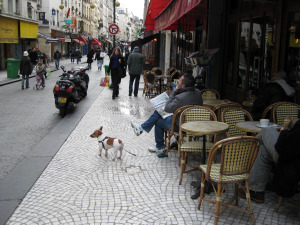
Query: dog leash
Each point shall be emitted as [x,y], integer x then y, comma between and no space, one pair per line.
[130,152]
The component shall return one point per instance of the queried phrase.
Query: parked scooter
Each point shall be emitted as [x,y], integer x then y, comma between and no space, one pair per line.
[70,89]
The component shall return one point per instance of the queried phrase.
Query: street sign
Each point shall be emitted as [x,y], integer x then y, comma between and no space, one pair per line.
[113,29]
[68,21]
[65,26]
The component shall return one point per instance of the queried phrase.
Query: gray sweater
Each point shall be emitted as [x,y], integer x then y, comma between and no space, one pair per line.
[182,97]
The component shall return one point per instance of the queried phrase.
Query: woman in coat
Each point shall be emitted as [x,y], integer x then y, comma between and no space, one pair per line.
[25,69]
[116,60]
[90,58]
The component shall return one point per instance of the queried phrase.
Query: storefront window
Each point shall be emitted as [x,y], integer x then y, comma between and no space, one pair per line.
[231,51]
[293,58]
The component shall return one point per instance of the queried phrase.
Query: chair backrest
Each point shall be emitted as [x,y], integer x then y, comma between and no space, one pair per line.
[177,114]
[210,94]
[175,75]
[157,70]
[284,109]
[170,70]
[232,117]
[150,78]
[238,155]
[268,112]
[219,109]
[196,113]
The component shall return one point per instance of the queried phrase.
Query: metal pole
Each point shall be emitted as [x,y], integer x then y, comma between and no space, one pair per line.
[114,36]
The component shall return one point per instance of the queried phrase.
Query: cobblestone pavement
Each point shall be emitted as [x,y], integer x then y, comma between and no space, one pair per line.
[79,187]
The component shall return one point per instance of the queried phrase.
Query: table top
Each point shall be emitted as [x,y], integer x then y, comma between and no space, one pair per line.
[205,127]
[213,103]
[162,76]
[248,103]
[251,126]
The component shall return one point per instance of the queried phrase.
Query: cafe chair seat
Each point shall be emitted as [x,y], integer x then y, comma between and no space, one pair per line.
[238,155]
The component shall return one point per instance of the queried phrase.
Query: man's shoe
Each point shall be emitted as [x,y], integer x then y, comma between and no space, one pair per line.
[136,128]
[162,155]
[157,150]
[130,93]
[196,194]
[113,97]
[22,87]
[258,196]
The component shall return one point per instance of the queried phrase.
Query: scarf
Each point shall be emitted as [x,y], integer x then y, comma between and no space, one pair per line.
[115,61]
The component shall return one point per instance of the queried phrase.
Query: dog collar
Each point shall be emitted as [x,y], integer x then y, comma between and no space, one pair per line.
[102,141]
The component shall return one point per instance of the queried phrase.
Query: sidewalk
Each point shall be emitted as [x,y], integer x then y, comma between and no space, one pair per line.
[3,73]
[80,187]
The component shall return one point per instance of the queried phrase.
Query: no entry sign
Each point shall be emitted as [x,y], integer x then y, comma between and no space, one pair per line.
[113,29]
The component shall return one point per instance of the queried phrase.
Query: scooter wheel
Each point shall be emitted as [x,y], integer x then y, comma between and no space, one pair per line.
[63,112]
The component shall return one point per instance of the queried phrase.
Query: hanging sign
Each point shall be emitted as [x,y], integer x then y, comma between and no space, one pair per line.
[113,29]
[68,21]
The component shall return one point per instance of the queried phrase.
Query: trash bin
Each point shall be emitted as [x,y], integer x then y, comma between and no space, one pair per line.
[12,67]
[106,68]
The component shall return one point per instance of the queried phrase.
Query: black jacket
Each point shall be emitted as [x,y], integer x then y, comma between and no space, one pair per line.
[97,55]
[33,57]
[111,60]
[272,93]
[25,66]
[57,55]
[287,169]
[90,57]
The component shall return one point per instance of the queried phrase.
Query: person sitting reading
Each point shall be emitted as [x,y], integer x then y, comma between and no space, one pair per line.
[184,94]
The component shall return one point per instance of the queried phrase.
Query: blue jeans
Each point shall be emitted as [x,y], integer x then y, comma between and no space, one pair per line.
[72,59]
[135,77]
[57,63]
[99,63]
[160,124]
[27,80]
[266,157]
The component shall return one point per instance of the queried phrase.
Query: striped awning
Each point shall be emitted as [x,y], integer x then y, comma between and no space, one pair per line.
[48,39]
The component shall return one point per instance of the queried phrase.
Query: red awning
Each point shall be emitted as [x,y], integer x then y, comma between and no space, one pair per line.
[155,7]
[95,42]
[169,17]
[80,42]
[61,39]
[83,39]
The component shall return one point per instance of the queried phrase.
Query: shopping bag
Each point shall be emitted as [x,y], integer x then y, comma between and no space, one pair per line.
[104,82]
[108,81]
[122,72]
[48,74]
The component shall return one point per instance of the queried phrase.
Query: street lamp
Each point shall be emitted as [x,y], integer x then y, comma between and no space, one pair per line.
[116,4]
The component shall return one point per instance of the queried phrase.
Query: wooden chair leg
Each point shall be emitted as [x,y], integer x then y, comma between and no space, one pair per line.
[218,199]
[249,202]
[183,166]
[278,204]
[201,190]
[236,194]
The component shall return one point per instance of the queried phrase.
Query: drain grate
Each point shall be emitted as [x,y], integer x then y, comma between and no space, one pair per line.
[131,170]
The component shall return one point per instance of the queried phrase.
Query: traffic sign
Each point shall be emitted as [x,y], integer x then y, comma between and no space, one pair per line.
[65,26]
[68,21]
[113,29]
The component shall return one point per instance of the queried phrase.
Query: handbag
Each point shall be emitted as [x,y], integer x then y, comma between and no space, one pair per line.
[48,74]
[122,73]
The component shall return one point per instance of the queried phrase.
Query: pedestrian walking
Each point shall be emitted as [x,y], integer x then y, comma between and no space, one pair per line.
[33,57]
[99,56]
[78,55]
[25,69]
[135,66]
[44,61]
[90,58]
[116,65]
[57,56]
[72,53]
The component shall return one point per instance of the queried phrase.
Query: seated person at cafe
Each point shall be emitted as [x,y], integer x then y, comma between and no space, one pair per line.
[276,91]
[184,94]
[279,153]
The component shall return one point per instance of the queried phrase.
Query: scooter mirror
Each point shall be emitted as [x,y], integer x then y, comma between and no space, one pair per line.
[62,67]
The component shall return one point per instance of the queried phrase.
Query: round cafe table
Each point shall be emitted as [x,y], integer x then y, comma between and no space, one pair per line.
[213,103]
[205,128]
[253,126]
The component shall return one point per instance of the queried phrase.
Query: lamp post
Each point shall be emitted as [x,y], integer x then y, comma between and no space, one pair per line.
[115,4]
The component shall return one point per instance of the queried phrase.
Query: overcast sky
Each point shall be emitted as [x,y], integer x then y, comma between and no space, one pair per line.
[135,6]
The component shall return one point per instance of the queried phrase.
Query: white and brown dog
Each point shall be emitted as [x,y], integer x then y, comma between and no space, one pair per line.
[107,143]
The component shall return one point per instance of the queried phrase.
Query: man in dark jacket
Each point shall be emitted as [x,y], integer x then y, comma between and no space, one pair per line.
[184,94]
[276,91]
[57,56]
[33,57]
[136,66]
[280,151]
[25,69]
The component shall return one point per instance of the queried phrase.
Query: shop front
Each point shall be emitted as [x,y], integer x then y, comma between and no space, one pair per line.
[261,38]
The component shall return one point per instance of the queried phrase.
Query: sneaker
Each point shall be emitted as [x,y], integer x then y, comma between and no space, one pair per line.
[136,128]
[256,196]
[157,150]
[162,155]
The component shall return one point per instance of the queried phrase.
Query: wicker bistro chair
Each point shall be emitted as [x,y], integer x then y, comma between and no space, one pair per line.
[171,133]
[234,116]
[237,158]
[175,75]
[218,109]
[284,109]
[150,84]
[157,70]
[170,70]
[268,112]
[189,143]
[210,94]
